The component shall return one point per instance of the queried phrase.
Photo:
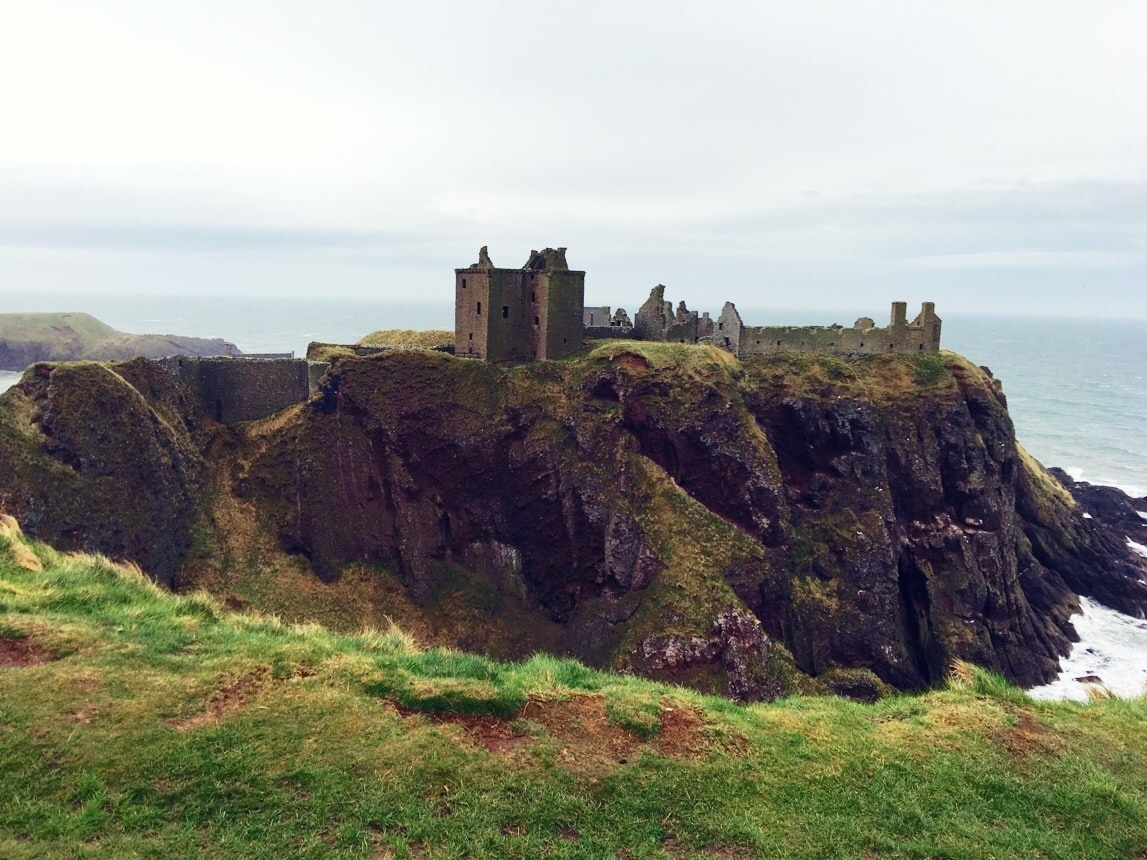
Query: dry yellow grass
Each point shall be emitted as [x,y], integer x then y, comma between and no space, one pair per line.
[427,338]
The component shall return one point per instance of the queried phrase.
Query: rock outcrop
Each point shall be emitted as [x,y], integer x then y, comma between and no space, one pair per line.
[793,522]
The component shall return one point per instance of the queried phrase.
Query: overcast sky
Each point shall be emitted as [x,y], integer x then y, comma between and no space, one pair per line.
[986,156]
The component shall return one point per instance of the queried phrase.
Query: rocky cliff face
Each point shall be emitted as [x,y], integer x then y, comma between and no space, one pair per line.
[795,522]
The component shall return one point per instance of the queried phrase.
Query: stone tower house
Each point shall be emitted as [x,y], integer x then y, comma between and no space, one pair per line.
[518,314]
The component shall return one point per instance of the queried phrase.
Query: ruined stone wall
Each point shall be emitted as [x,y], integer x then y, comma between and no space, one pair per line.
[921,335]
[236,389]
[599,332]
[656,320]
[654,316]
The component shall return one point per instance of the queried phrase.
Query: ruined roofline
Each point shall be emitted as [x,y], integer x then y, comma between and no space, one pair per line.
[546,260]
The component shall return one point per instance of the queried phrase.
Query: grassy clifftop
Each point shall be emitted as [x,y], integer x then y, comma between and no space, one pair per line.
[134,722]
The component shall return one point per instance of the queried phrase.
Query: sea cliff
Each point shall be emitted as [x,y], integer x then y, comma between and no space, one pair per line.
[787,523]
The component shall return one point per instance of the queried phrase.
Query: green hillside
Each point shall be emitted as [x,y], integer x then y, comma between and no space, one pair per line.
[137,723]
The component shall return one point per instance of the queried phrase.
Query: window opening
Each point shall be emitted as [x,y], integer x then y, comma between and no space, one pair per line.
[505,312]
[479,311]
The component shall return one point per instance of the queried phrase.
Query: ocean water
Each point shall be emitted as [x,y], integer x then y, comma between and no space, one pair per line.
[1076,389]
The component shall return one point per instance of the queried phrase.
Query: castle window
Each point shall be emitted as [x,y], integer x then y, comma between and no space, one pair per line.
[505,312]
[537,321]
[463,283]
[778,343]
[890,346]
[479,311]
[471,335]
[720,326]
[921,346]
[591,319]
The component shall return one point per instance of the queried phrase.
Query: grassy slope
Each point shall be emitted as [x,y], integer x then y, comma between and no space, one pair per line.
[62,331]
[428,338]
[135,723]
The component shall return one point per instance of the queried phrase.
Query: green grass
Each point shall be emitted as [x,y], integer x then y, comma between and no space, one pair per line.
[154,725]
[427,338]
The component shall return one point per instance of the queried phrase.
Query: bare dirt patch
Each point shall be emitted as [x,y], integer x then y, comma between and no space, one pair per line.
[1027,737]
[84,715]
[231,695]
[580,725]
[21,653]
[630,361]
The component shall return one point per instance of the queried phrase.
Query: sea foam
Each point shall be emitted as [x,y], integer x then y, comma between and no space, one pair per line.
[1112,648]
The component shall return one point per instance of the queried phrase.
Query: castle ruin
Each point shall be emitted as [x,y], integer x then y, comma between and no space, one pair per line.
[532,312]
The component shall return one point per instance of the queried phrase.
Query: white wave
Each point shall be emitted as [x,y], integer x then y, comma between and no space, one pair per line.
[1137,548]
[8,379]
[1077,474]
[1112,647]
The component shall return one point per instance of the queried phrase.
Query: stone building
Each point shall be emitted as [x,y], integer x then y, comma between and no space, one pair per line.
[518,314]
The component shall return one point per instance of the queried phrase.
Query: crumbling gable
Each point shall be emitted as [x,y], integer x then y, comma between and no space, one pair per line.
[656,320]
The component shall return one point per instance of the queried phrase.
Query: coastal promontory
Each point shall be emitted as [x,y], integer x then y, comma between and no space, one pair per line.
[755,527]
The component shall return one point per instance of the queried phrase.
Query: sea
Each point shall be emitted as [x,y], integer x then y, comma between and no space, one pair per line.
[1076,390]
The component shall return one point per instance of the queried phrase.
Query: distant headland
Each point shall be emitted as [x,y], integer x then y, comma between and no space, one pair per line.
[26,338]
